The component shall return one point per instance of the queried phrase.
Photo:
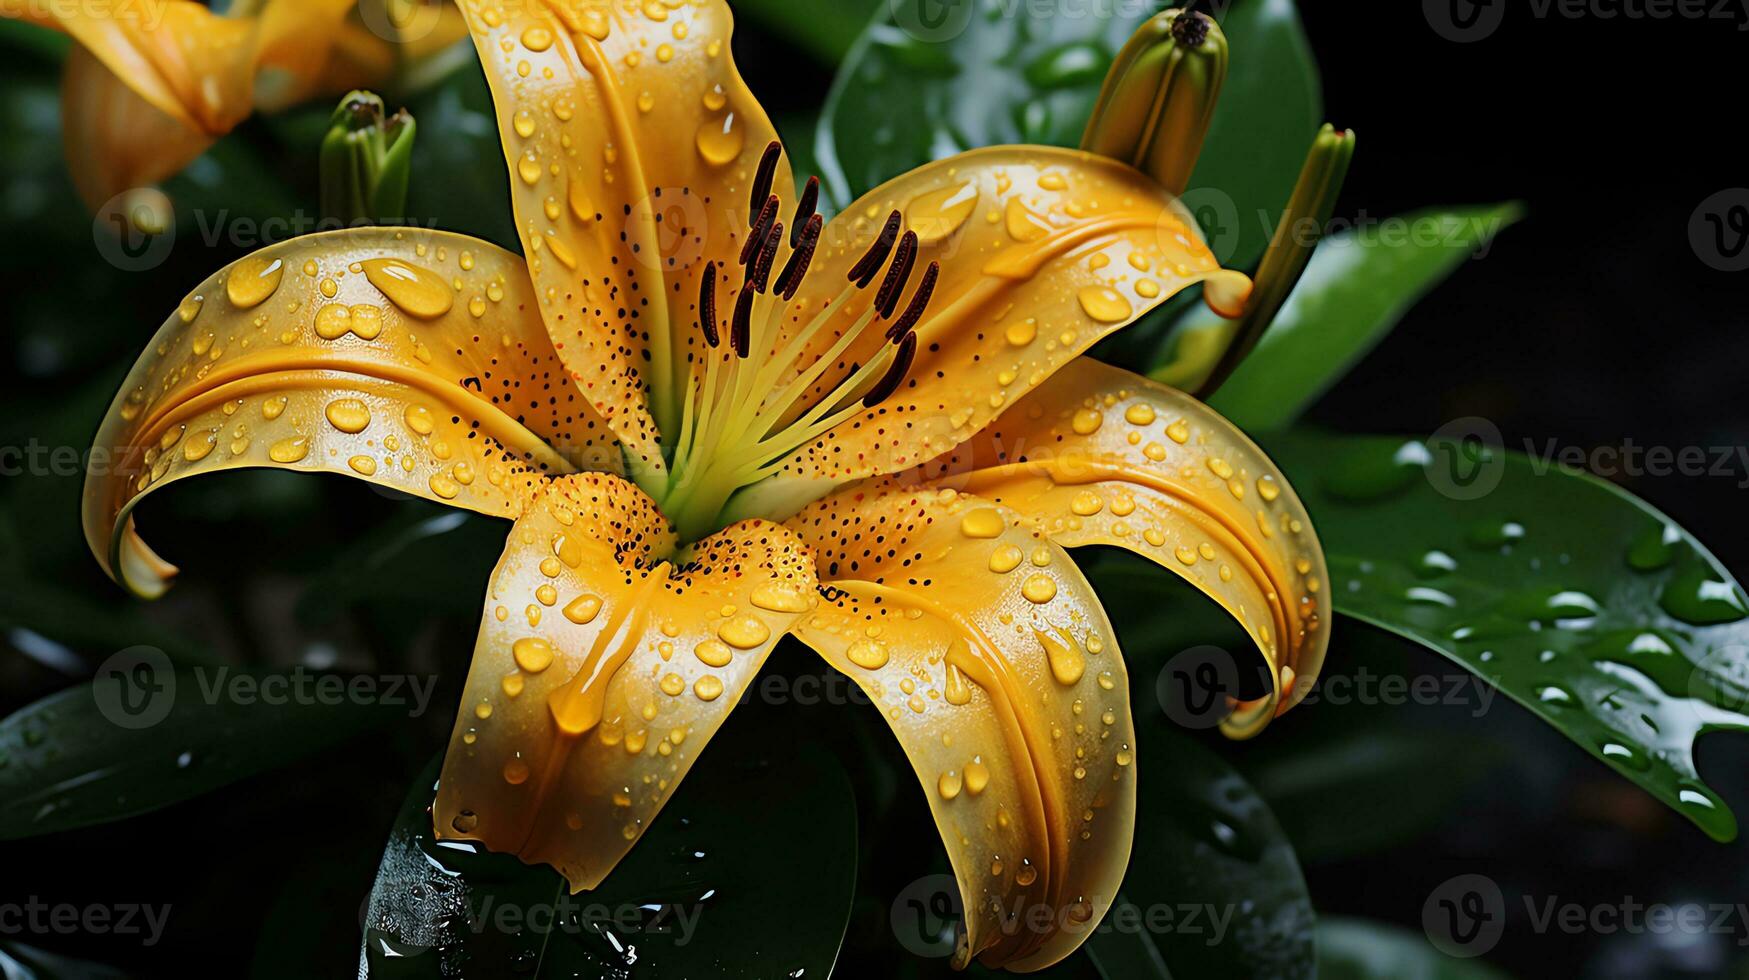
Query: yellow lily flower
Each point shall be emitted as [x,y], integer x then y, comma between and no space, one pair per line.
[151,85]
[716,420]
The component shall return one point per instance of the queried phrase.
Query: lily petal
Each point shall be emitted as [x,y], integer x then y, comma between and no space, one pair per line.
[991,659]
[601,671]
[1101,456]
[411,359]
[115,140]
[1043,251]
[632,144]
[194,65]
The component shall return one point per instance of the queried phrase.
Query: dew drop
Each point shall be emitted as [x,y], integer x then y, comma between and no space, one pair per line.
[252,281]
[532,653]
[934,216]
[417,292]
[349,415]
[720,142]
[289,450]
[1104,304]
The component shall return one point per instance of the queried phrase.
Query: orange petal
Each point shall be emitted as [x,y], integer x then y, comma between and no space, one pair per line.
[194,65]
[632,146]
[316,48]
[115,140]
[408,358]
[991,659]
[1043,252]
[601,671]
[1101,456]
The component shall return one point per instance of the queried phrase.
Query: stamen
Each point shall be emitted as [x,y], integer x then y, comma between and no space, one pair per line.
[762,177]
[760,274]
[741,328]
[919,301]
[707,304]
[796,268]
[864,271]
[761,226]
[889,382]
[805,208]
[897,275]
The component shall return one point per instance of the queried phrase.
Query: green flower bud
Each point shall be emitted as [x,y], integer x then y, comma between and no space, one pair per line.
[1159,97]
[367,158]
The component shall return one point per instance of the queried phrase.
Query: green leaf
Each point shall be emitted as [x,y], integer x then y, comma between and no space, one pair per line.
[1371,789]
[427,560]
[1573,597]
[825,30]
[21,962]
[1359,284]
[749,871]
[928,79]
[1270,108]
[1354,949]
[1211,862]
[1126,954]
[87,756]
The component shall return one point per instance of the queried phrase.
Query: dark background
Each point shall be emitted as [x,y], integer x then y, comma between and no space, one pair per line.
[1592,322]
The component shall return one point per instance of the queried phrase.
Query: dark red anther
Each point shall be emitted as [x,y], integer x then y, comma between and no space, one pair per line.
[741,328]
[864,271]
[762,177]
[805,209]
[796,268]
[760,274]
[919,301]
[761,227]
[707,304]
[896,372]
[898,274]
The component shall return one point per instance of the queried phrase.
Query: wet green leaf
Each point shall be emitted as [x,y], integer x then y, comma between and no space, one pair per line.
[749,871]
[1369,790]
[825,30]
[1213,878]
[1271,107]
[427,558]
[1358,286]
[1576,599]
[928,79]
[21,962]
[147,737]
[1354,949]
